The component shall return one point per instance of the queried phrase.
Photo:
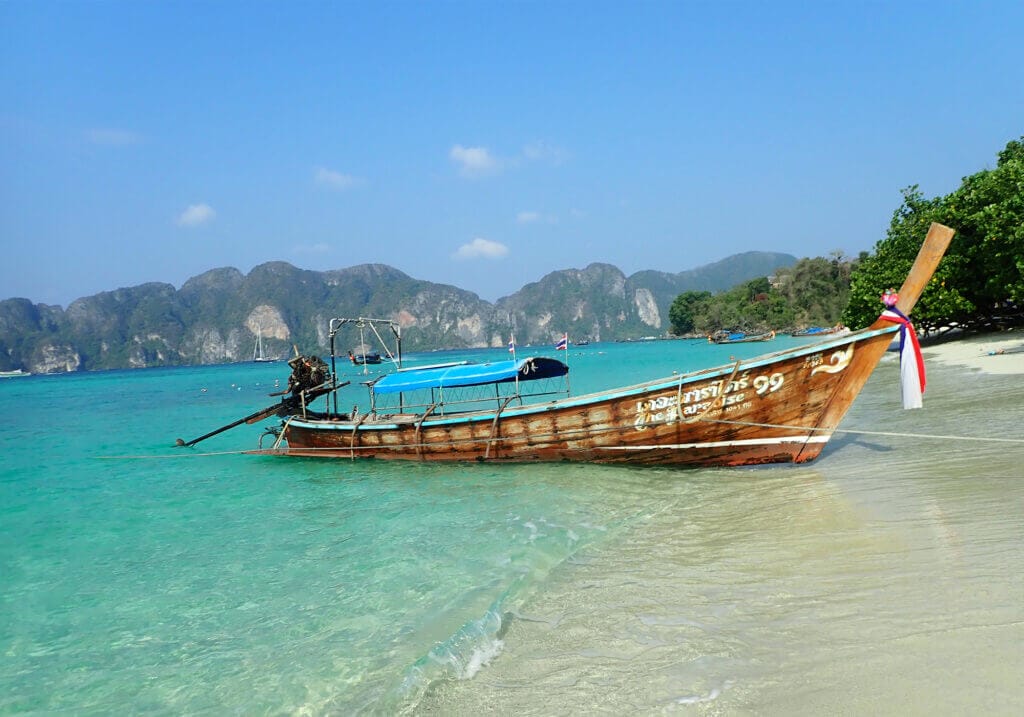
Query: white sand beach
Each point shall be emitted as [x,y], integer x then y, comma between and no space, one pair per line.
[997,353]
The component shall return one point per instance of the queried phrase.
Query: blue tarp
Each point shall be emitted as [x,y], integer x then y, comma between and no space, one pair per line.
[474,374]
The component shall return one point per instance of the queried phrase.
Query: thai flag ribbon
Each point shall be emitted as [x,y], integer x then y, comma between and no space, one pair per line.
[912,378]
[563,343]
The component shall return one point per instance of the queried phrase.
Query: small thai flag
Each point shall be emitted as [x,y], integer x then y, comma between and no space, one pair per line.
[512,344]
[563,343]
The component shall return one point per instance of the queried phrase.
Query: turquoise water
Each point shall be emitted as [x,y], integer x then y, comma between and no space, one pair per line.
[139,577]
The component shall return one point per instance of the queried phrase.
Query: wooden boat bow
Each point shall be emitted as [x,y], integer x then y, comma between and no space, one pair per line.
[928,257]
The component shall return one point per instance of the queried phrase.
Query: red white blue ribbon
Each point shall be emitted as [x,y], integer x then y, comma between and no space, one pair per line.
[912,378]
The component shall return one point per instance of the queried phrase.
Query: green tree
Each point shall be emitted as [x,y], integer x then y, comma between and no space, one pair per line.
[981,278]
[988,213]
[817,289]
[684,308]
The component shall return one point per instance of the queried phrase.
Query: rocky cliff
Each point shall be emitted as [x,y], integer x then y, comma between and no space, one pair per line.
[215,317]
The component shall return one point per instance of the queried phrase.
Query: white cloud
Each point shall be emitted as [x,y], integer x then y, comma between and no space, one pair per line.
[544,152]
[334,180]
[318,248]
[474,161]
[481,249]
[531,217]
[112,137]
[195,215]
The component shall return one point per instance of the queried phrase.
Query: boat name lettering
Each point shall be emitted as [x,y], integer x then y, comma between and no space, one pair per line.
[696,408]
[769,384]
[666,409]
[661,402]
[647,413]
[733,398]
[700,394]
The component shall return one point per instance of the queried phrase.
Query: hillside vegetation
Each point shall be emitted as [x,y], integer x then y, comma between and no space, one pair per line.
[813,292]
[215,317]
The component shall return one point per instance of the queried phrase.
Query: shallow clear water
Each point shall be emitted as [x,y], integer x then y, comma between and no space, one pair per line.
[886,577]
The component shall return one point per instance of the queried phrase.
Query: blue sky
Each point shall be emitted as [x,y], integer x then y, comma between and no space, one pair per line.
[480,144]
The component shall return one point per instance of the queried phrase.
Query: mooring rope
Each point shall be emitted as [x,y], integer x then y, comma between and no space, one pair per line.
[892,434]
[719,399]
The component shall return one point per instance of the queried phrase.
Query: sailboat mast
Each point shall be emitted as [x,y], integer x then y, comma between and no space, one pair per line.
[257,350]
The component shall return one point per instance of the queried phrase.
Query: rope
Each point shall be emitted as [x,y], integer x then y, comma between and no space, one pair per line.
[419,425]
[719,399]
[494,424]
[383,343]
[280,436]
[363,347]
[891,434]
[352,438]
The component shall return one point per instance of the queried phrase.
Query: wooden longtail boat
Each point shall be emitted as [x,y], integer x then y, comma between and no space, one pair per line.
[738,337]
[820,331]
[365,356]
[777,408]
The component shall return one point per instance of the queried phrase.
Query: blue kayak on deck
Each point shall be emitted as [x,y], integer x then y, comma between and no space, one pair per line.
[471,374]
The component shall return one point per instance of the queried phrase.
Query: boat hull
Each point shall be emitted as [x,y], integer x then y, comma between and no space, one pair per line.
[779,408]
[746,339]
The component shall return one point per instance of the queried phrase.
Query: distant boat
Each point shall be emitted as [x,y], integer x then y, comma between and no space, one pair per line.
[738,337]
[363,356]
[16,373]
[820,331]
[257,351]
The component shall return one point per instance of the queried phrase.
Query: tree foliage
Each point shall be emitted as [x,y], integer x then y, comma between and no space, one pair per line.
[685,308]
[981,279]
[812,292]
[817,289]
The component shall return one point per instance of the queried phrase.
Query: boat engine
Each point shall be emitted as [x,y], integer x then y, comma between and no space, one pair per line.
[310,379]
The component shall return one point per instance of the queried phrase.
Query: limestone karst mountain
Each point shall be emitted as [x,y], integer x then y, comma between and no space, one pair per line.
[214,317]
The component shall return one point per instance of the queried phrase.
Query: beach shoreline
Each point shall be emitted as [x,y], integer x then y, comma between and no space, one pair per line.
[1001,353]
